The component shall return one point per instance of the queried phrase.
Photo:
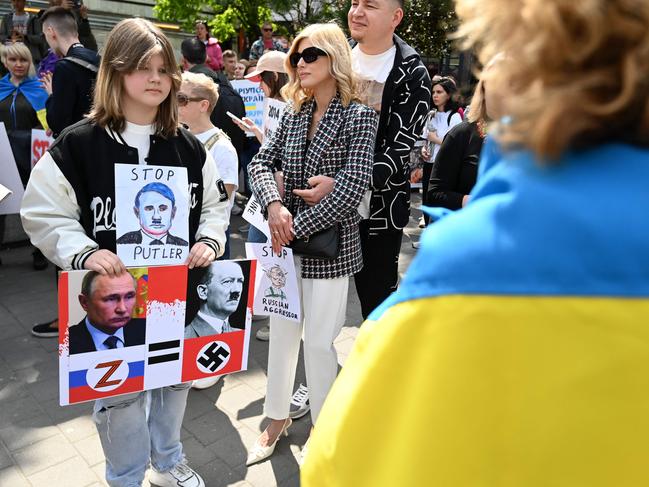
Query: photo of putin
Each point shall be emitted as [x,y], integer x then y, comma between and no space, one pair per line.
[219,291]
[155,208]
[108,303]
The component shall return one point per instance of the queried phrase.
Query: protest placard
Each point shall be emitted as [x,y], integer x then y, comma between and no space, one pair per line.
[253,215]
[276,289]
[219,315]
[273,110]
[253,99]
[160,327]
[9,176]
[4,192]
[152,214]
[40,143]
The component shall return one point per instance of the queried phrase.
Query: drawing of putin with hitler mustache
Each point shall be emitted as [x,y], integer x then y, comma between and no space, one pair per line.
[155,209]
[220,291]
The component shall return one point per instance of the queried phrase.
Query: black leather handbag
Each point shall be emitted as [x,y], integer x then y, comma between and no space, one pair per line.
[324,244]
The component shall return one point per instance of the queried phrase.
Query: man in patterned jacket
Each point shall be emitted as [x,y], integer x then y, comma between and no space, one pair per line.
[394,82]
[397,85]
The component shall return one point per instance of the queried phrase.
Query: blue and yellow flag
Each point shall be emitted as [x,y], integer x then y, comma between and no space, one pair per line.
[516,351]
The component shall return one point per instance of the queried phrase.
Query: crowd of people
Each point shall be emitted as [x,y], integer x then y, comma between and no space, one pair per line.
[479,343]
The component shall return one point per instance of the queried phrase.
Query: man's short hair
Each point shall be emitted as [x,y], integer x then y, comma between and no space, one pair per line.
[206,277]
[193,50]
[89,279]
[86,283]
[61,20]
[229,53]
[203,87]
[159,188]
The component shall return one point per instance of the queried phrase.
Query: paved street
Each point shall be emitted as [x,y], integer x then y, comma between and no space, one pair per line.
[45,445]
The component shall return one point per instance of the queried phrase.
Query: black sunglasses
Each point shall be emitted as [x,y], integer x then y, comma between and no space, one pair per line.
[310,55]
[267,29]
[183,99]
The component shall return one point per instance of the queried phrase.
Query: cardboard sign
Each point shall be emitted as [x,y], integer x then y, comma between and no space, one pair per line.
[40,143]
[9,176]
[273,110]
[152,214]
[253,215]
[276,289]
[137,331]
[4,192]
[253,99]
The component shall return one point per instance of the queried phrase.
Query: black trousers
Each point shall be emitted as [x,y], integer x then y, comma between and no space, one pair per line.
[380,273]
[425,182]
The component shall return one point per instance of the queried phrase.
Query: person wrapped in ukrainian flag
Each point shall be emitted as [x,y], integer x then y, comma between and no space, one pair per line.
[516,351]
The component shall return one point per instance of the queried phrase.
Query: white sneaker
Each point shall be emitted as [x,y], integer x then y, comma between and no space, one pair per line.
[299,403]
[179,476]
[205,383]
[263,333]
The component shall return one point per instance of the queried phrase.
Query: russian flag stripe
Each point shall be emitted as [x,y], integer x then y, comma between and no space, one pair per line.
[78,377]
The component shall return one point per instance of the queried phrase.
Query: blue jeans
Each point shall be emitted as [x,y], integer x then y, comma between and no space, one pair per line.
[256,236]
[249,152]
[226,249]
[130,438]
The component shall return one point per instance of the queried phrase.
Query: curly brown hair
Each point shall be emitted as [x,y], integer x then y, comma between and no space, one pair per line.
[575,71]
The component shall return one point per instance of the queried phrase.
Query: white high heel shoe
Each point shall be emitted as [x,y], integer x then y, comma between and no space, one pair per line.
[258,453]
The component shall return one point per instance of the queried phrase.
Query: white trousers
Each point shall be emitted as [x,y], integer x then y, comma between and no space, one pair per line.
[324,304]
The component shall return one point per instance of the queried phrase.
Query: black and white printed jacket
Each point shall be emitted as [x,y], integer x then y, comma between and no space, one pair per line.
[404,106]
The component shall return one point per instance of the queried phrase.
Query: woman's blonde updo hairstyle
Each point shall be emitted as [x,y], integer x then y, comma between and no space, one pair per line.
[331,39]
[575,71]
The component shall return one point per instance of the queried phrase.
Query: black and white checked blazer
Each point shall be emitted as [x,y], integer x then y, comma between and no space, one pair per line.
[342,148]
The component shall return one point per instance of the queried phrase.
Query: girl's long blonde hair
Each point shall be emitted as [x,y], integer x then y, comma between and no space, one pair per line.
[130,46]
[331,39]
[575,72]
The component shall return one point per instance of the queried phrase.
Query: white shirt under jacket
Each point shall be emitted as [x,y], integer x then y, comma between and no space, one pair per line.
[51,216]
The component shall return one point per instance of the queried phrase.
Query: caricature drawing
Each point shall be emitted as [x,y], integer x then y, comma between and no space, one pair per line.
[155,208]
[277,277]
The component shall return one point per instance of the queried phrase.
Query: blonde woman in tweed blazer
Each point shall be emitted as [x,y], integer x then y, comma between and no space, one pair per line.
[323,131]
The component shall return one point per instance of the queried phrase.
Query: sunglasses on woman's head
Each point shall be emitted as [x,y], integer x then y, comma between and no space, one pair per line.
[310,55]
[183,99]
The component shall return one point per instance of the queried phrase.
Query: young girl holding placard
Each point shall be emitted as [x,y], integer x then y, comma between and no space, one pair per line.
[69,213]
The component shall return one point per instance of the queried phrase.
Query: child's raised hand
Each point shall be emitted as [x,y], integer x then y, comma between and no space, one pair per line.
[200,255]
[105,262]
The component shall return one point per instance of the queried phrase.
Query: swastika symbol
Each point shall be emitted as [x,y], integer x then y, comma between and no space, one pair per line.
[213,357]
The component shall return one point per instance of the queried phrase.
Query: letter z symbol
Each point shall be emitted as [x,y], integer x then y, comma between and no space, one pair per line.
[112,367]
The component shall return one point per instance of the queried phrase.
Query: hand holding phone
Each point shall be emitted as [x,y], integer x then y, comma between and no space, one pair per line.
[235,118]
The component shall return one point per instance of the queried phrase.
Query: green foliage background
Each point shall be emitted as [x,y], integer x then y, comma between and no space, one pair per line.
[425,26]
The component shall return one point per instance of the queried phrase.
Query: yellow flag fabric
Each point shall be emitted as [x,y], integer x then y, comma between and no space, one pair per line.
[457,391]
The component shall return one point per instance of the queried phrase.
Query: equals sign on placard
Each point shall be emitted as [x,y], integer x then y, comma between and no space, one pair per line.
[169,351]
